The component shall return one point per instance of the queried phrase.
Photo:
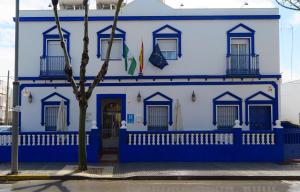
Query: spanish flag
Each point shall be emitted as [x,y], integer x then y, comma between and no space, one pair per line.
[141,58]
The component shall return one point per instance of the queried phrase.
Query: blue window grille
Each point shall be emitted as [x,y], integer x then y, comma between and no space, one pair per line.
[51,114]
[157,118]
[226,116]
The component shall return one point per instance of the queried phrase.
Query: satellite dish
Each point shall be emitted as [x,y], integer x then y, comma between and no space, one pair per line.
[26,92]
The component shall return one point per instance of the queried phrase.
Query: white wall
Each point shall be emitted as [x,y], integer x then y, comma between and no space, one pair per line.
[203,42]
[196,116]
[290,102]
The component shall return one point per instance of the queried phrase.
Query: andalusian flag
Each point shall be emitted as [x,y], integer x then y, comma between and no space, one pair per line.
[141,58]
[129,60]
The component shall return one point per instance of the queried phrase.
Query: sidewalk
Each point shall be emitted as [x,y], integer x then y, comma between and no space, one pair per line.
[153,171]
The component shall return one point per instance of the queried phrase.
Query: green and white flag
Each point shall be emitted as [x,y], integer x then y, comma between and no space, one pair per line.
[129,60]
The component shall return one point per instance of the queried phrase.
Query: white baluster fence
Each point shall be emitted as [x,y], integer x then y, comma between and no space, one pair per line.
[155,139]
[44,139]
[258,138]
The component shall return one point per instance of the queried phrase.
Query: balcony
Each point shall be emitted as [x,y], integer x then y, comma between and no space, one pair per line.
[52,67]
[242,65]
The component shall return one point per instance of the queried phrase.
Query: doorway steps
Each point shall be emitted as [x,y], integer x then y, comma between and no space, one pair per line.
[110,155]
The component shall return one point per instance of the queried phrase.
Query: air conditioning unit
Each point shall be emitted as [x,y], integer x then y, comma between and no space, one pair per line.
[106,4]
[71,4]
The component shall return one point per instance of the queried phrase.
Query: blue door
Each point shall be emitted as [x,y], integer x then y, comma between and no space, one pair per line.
[260,118]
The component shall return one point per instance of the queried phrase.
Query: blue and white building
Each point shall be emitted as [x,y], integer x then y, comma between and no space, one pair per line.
[223,66]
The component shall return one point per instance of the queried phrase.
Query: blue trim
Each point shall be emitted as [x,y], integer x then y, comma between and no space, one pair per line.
[217,101]
[157,77]
[273,101]
[99,97]
[169,103]
[48,37]
[103,35]
[177,34]
[44,103]
[250,35]
[156,18]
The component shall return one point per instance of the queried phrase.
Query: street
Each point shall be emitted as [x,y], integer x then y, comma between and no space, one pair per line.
[152,186]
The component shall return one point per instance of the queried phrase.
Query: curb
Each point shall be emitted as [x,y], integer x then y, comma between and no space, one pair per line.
[140,178]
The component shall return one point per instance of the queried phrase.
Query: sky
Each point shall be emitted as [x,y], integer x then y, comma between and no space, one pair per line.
[289,29]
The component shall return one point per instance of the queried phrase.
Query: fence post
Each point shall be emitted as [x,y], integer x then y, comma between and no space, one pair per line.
[237,141]
[94,146]
[279,141]
[123,142]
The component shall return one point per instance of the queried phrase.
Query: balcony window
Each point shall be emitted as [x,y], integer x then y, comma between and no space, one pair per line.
[241,57]
[52,62]
[54,48]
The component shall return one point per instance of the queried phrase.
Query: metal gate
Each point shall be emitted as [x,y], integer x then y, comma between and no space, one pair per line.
[291,142]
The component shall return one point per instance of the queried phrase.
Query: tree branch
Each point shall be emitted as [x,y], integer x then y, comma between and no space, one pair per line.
[295,7]
[85,53]
[101,74]
[68,67]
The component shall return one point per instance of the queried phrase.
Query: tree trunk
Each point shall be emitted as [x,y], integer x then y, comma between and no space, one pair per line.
[82,166]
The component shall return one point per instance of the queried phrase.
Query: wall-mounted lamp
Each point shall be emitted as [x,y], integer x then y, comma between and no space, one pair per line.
[139,97]
[194,96]
[30,98]
[27,93]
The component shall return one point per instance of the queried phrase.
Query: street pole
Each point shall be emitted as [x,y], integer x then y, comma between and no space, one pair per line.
[15,124]
[6,103]
[292,52]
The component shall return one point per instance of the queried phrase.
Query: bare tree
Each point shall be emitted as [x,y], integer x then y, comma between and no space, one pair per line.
[290,4]
[79,89]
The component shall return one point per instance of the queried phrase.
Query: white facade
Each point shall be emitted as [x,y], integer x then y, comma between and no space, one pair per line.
[200,69]
[290,105]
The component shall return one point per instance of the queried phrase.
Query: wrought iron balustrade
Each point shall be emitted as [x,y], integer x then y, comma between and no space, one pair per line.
[52,66]
[242,65]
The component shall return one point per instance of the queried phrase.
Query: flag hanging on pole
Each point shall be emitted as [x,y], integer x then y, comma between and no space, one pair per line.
[157,59]
[129,60]
[141,58]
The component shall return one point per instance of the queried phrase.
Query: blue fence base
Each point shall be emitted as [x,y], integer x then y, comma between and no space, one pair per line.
[53,153]
[234,152]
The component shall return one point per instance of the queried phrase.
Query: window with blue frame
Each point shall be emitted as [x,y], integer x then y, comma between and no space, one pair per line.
[51,114]
[157,118]
[169,40]
[49,110]
[227,108]
[158,112]
[52,62]
[227,115]
[118,46]
[241,56]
